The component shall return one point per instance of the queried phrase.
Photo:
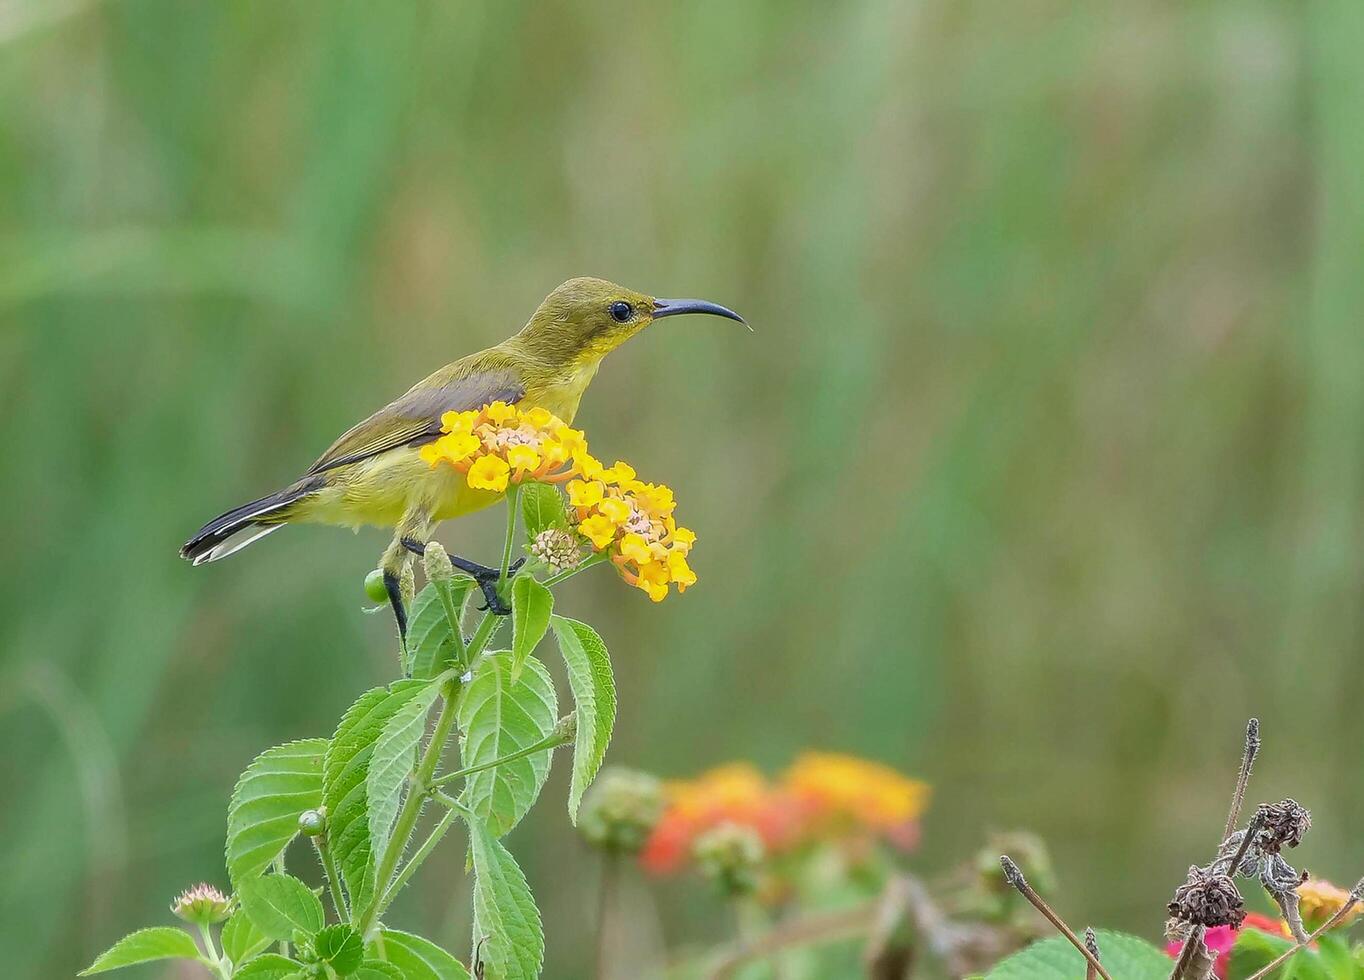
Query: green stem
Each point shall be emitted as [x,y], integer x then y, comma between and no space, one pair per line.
[279,870]
[324,855]
[513,498]
[593,559]
[551,741]
[443,589]
[214,961]
[407,817]
[415,861]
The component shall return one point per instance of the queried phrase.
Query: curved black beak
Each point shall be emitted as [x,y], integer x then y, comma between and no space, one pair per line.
[674,307]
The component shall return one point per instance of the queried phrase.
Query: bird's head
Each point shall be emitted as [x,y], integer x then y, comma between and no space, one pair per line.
[585,319]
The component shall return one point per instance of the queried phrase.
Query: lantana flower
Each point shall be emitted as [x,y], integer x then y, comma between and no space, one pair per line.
[849,791]
[1220,939]
[1319,900]
[628,520]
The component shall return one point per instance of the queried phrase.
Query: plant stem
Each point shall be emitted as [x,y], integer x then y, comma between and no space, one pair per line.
[1015,878]
[279,870]
[1186,955]
[551,741]
[1330,923]
[594,559]
[324,855]
[513,497]
[214,961]
[407,817]
[606,907]
[443,589]
[1243,776]
[415,861]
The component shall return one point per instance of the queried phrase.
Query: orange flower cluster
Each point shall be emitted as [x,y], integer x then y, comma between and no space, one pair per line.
[631,521]
[1319,900]
[822,796]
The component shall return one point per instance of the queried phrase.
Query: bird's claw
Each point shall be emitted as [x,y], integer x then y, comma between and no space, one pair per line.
[487,579]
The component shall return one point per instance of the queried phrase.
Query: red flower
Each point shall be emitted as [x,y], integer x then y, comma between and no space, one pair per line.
[1220,939]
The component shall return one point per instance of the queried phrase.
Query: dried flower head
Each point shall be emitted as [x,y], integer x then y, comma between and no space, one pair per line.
[621,810]
[557,548]
[631,521]
[1319,900]
[202,904]
[1282,824]
[1208,899]
[731,855]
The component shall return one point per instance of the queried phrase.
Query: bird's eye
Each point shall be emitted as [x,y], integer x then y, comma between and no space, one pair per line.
[621,311]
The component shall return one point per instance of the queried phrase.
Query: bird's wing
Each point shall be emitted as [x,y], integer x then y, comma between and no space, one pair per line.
[414,418]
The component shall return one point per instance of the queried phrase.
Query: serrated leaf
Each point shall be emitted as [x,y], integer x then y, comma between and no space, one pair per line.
[269,966]
[144,946]
[379,970]
[418,958]
[532,605]
[430,640]
[345,771]
[341,947]
[594,696]
[262,818]
[1126,957]
[280,904]
[241,939]
[394,755]
[496,718]
[506,921]
[542,507]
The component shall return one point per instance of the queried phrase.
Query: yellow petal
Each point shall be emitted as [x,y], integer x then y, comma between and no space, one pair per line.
[615,509]
[539,417]
[634,547]
[683,539]
[584,493]
[499,412]
[523,458]
[598,530]
[680,572]
[589,466]
[458,421]
[489,473]
[622,473]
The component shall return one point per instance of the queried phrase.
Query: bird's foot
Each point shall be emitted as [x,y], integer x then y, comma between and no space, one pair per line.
[485,575]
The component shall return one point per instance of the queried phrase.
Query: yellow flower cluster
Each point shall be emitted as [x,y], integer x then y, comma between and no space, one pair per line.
[631,521]
[874,794]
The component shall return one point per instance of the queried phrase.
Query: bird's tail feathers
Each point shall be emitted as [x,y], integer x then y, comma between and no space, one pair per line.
[239,527]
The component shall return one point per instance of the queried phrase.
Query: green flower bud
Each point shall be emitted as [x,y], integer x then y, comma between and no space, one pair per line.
[731,855]
[203,905]
[621,810]
[311,823]
[407,586]
[438,567]
[374,586]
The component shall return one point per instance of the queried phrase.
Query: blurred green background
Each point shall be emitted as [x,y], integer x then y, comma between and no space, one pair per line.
[1043,470]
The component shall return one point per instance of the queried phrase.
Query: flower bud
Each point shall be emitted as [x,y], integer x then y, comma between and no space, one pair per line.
[557,548]
[621,810]
[407,586]
[438,567]
[731,855]
[566,727]
[312,823]
[374,586]
[202,905]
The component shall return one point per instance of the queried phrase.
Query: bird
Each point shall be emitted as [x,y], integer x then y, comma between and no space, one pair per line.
[373,474]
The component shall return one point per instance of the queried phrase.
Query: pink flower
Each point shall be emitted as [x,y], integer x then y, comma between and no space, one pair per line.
[1220,940]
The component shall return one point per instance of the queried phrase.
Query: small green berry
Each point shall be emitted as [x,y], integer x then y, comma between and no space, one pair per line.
[374,586]
[312,822]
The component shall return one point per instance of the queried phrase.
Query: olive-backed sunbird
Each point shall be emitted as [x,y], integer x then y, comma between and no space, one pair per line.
[374,474]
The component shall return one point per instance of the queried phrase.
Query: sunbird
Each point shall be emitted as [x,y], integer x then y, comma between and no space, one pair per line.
[374,474]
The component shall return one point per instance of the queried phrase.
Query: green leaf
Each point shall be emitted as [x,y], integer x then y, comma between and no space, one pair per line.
[395,754]
[262,818]
[1255,949]
[1126,957]
[270,966]
[418,958]
[241,939]
[532,605]
[143,946]
[345,772]
[341,947]
[496,718]
[280,904]
[506,921]
[594,696]
[542,507]
[430,641]
[379,970]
